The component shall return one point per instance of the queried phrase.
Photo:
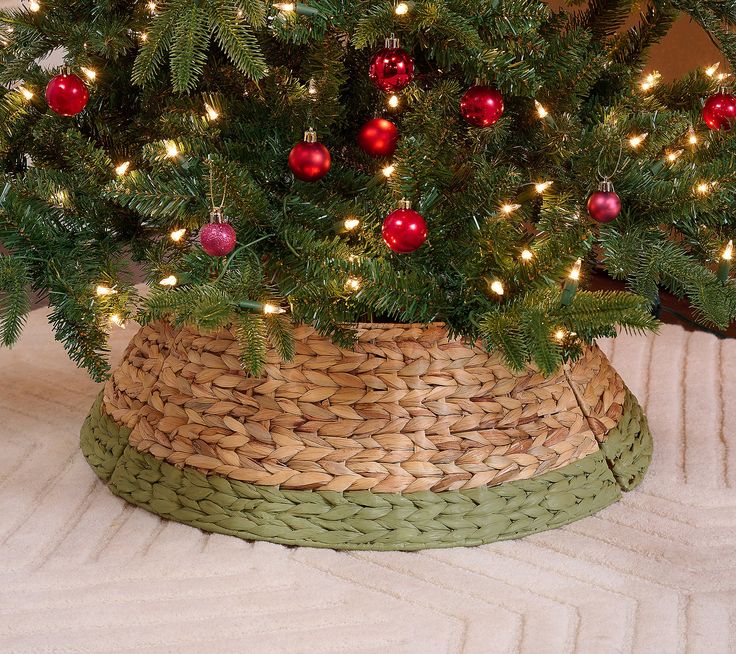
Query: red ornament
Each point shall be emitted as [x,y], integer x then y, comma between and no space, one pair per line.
[310,160]
[217,237]
[719,111]
[404,230]
[66,94]
[604,205]
[378,137]
[392,68]
[482,106]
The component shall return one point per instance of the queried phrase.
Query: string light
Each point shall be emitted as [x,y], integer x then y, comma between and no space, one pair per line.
[60,198]
[704,188]
[177,235]
[151,7]
[510,208]
[211,112]
[402,9]
[389,170]
[541,111]
[636,140]
[724,265]
[711,70]
[171,149]
[34,6]
[674,155]
[25,92]
[270,309]
[541,187]
[121,169]
[393,101]
[286,7]
[650,81]
[527,255]
[351,223]
[103,291]
[143,36]
[353,284]
[571,284]
[497,287]
[116,320]
[171,280]
[89,73]
[693,138]
[312,88]
[560,335]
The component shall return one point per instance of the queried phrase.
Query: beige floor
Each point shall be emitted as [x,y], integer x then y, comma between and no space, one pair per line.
[80,571]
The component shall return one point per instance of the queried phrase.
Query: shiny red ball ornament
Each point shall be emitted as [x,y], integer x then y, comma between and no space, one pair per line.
[404,230]
[310,160]
[482,106]
[719,111]
[604,205]
[392,68]
[66,94]
[217,237]
[378,137]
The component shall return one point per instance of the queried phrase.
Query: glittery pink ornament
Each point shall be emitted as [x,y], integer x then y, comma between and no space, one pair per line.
[218,237]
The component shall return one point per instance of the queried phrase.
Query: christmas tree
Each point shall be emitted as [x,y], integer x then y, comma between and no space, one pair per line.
[335,162]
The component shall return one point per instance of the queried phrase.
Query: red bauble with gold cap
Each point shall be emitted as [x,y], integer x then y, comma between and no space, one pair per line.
[66,94]
[719,111]
[482,106]
[391,68]
[218,236]
[310,160]
[404,230]
[604,205]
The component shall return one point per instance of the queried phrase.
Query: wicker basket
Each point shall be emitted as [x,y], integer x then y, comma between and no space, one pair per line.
[411,440]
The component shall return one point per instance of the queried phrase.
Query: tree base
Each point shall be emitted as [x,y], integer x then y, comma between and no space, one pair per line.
[363,520]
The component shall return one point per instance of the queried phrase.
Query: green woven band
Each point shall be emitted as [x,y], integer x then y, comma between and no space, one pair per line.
[361,520]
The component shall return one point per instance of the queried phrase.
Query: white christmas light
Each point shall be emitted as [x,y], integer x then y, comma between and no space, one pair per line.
[636,140]
[650,81]
[541,111]
[121,169]
[402,9]
[286,7]
[728,252]
[393,101]
[116,320]
[388,171]
[711,70]
[177,235]
[103,290]
[510,208]
[271,309]
[89,73]
[541,187]
[25,92]
[171,149]
[211,112]
[34,6]
[351,223]
[575,272]
[171,280]
[560,335]
[353,284]
[527,255]
[497,287]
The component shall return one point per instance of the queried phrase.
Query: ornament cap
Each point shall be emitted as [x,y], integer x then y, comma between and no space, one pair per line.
[217,215]
[404,203]
[606,185]
[392,41]
[310,136]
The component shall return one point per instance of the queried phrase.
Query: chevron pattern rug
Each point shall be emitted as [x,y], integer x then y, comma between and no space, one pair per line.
[81,571]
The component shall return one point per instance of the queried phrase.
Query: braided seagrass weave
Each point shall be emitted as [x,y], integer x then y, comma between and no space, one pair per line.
[410,440]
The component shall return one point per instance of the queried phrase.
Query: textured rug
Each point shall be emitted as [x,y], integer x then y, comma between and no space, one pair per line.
[81,571]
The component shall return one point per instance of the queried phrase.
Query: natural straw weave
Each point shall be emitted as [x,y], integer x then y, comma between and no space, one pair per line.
[411,440]
[408,410]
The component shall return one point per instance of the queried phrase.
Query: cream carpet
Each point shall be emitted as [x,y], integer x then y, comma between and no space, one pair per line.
[81,571]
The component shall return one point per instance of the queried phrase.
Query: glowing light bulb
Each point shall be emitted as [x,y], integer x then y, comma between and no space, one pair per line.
[151,7]
[527,255]
[388,171]
[674,156]
[103,290]
[541,111]
[351,223]
[401,9]
[34,6]
[728,252]
[177,235]
[693,139]
[711,70]
[121,169]
[171,149]
[286,7]
[171,280]
[650,81]
[211,112]
[312,89]
[636,140]
[560,335]
[89,73]
[541,187]
[352,284]
[497,287]
[116,320]
[510,208]
[143,36]
[575,272]
[703,188]
[25,92]
[393,101]
[270,309]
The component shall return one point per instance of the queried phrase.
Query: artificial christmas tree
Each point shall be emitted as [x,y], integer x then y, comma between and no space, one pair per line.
[195,107]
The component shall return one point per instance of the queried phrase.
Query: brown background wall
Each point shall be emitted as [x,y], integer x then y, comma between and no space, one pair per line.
[686,47]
